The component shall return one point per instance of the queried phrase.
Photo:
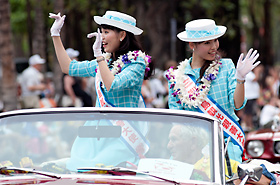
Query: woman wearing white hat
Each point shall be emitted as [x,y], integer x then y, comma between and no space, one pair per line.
[119,76]
[122,68]
[209,84]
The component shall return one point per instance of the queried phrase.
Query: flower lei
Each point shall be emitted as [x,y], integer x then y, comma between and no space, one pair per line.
[176,77]
[126,59]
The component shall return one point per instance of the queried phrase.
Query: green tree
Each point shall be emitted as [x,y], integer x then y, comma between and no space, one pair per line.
[9,87]
[260,27]
[39,35]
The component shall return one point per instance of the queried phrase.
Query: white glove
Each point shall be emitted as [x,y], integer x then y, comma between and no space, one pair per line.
[244,66]
[57,25]
[96,47]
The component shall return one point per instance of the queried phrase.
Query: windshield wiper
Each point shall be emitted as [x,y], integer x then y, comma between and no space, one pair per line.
[14,170]
[121,171]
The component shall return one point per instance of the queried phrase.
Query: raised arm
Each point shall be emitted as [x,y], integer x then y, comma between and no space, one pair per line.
[244,66]
[63,58]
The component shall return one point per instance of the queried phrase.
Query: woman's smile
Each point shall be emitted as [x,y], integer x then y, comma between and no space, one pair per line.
[212,53]
[104,44]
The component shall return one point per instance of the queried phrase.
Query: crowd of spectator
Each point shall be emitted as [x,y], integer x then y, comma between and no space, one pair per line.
[36,89]
[262,93]
[80,92]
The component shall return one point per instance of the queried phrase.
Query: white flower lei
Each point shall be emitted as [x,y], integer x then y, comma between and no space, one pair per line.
[176,77]
[126,58]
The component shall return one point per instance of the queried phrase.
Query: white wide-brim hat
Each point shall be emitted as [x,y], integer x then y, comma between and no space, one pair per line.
[36,59]
[119,20]
[201,30]
[72,53]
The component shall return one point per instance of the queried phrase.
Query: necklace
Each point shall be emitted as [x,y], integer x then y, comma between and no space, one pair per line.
[126,59]
[196,97]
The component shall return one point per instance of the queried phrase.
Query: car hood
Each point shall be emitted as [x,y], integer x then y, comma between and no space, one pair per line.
[86,179]
[264,134]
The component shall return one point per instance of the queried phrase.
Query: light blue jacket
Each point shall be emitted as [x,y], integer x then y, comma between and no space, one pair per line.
[126,87]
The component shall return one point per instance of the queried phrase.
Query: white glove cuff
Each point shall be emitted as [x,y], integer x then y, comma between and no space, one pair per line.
[55,34]
[238,77]
[97,53]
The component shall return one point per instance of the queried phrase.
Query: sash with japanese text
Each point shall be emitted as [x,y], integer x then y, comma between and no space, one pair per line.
[211,107]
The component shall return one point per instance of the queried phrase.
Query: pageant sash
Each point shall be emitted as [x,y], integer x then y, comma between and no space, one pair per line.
[131,136]
[211,107]
[100,95]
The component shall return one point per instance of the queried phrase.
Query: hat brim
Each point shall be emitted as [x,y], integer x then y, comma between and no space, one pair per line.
[42,61]
[75,54]
[101,20]
[183,36]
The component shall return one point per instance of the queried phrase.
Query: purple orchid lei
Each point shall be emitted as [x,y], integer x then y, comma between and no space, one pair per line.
[176,80]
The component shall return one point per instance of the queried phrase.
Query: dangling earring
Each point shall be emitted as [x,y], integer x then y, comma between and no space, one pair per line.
[193,49]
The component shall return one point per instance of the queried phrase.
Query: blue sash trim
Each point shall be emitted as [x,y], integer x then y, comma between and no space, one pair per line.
[103,96]
[128,145]
[142,101]
[141,135]
[226,113]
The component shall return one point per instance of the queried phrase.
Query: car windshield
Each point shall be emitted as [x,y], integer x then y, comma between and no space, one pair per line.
[177,147]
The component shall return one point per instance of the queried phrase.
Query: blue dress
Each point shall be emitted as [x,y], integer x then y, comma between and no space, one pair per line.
[90,152]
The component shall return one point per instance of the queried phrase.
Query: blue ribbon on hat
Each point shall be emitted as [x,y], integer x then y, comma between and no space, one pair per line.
[202,33]
[119,19]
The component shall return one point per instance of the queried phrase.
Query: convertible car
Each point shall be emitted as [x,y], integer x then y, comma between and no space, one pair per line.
[114,146]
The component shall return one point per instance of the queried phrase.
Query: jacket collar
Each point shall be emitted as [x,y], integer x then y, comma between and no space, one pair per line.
[188,69]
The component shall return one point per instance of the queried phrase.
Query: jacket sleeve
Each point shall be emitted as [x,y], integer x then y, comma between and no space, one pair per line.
[83,69]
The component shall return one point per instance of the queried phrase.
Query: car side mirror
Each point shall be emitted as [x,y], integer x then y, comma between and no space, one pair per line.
[249,172]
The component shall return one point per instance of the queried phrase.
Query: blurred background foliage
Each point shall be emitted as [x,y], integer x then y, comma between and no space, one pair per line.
[250,23]
[254,22]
